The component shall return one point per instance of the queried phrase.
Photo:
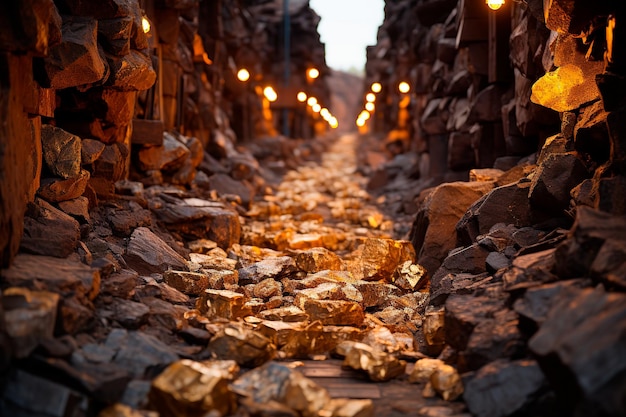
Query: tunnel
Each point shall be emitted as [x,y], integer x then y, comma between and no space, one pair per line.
[201,217]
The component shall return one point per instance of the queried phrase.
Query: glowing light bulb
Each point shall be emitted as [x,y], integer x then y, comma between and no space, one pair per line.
[325,113]
[404,87]
[333,122]
[270,94]
[370,97]
[495,4]
[243,75]
[301,96]
[370,107]
[316,108]
[145,25]
[376,87]
[313,73]
[311,101]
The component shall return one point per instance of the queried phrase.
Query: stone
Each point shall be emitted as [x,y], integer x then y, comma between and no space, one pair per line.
[29,317]
[289,314]
[487,105]
[530,270]
[433,234]
[272,267]
[147,253]
[41,23]
[501,388]
[317,339]
[222,303]
[343,407]
[267,288]
[48,231]
[124,222]
[379,366]
[112,164]
[280,332]
[55,190]
[121,284]
[225,185]
[334,312]
[506,204]
[115,34]
[129,314]
[591,135]
[78,208]
[423,369]
[379,258]
[247,347]
[463,313]
[274,382]
[141,354]
[456,283]
[460,152]
[578,338]
[168,157]
[76,61]
[189,283]
[132,72]
[446,382]
[318,259]
[571,17]
[553,180]
[198,219]
[195,387]
[61,151]
[434,329]
[410,276]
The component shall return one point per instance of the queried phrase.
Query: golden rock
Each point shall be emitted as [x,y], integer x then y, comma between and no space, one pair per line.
[245,346]
[318,259]
[378,365]
[343,407]
[287,313]
[188,388]
[222,303]
[315,339]
[423,369]
[190,283]
[447,382]
[335,312]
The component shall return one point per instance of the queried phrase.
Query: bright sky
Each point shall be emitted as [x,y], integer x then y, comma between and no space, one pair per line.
[347,27]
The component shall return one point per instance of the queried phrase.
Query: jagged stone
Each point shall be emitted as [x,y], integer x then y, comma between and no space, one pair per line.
[591,134]
[195,387]
[334,312]
[189,283]
[147,253]
[578,339]
[48,231]
[317,339]
[288,314]
[78,208]
[379,258]
[57,190]
[222,303]
[121,284]
[61,151]
[168,157]
[490,392]
[123,223]
[29,317]
[246,347]
[115,34]
[129,314]
[272,267]
[433,234]
[378,365]
[278,383]
[553,180]
[530,270]
[267,288]
[76,60]
[318,259]
[132,72]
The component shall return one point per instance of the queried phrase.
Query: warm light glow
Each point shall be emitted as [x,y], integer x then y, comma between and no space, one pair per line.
[325,113]
[495,4]
[377,87]
[313,73]
[404,87]
[311,101]
[364,115]
[360,122]
[243,75]
[270,94]
[370,106]
[370,97]
[301,96]
[333,122]
[316,108]
[145,25]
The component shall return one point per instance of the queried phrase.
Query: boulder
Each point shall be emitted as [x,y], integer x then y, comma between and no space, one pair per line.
[61,151]
[147,253]
[48,231]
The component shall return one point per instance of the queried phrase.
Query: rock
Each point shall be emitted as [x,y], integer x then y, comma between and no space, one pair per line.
[571,17]
[222,303]
[487,105]
[78,208]
[318,259]
[56,190]
[578,339]
[460,151]
[267,288]
[61,151]
[29,317]
[129,314]
[141,354]
[48,231]
[121,284]
[591,134]
[132,72]
[107,9]
[280,332]
[228,186]
[247,347]
[334,312]
[456,283]
[147,253]
[115,35]
[316,339]
[272,267]
[379,258]
[553,180]
[288,314]
[76,60]
[195,387]
[423,369]
[410,276]
[124,222]
[530,270]
[502,388]
[434,329]
[343,407]
[447,382]
[201,219]
[496,261]
[433,234]
[189,283]
[379,366]
[274,382]
[507,204]
[169,157]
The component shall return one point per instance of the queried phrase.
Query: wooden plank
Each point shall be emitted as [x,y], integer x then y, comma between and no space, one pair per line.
[147,132]
[349,388]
